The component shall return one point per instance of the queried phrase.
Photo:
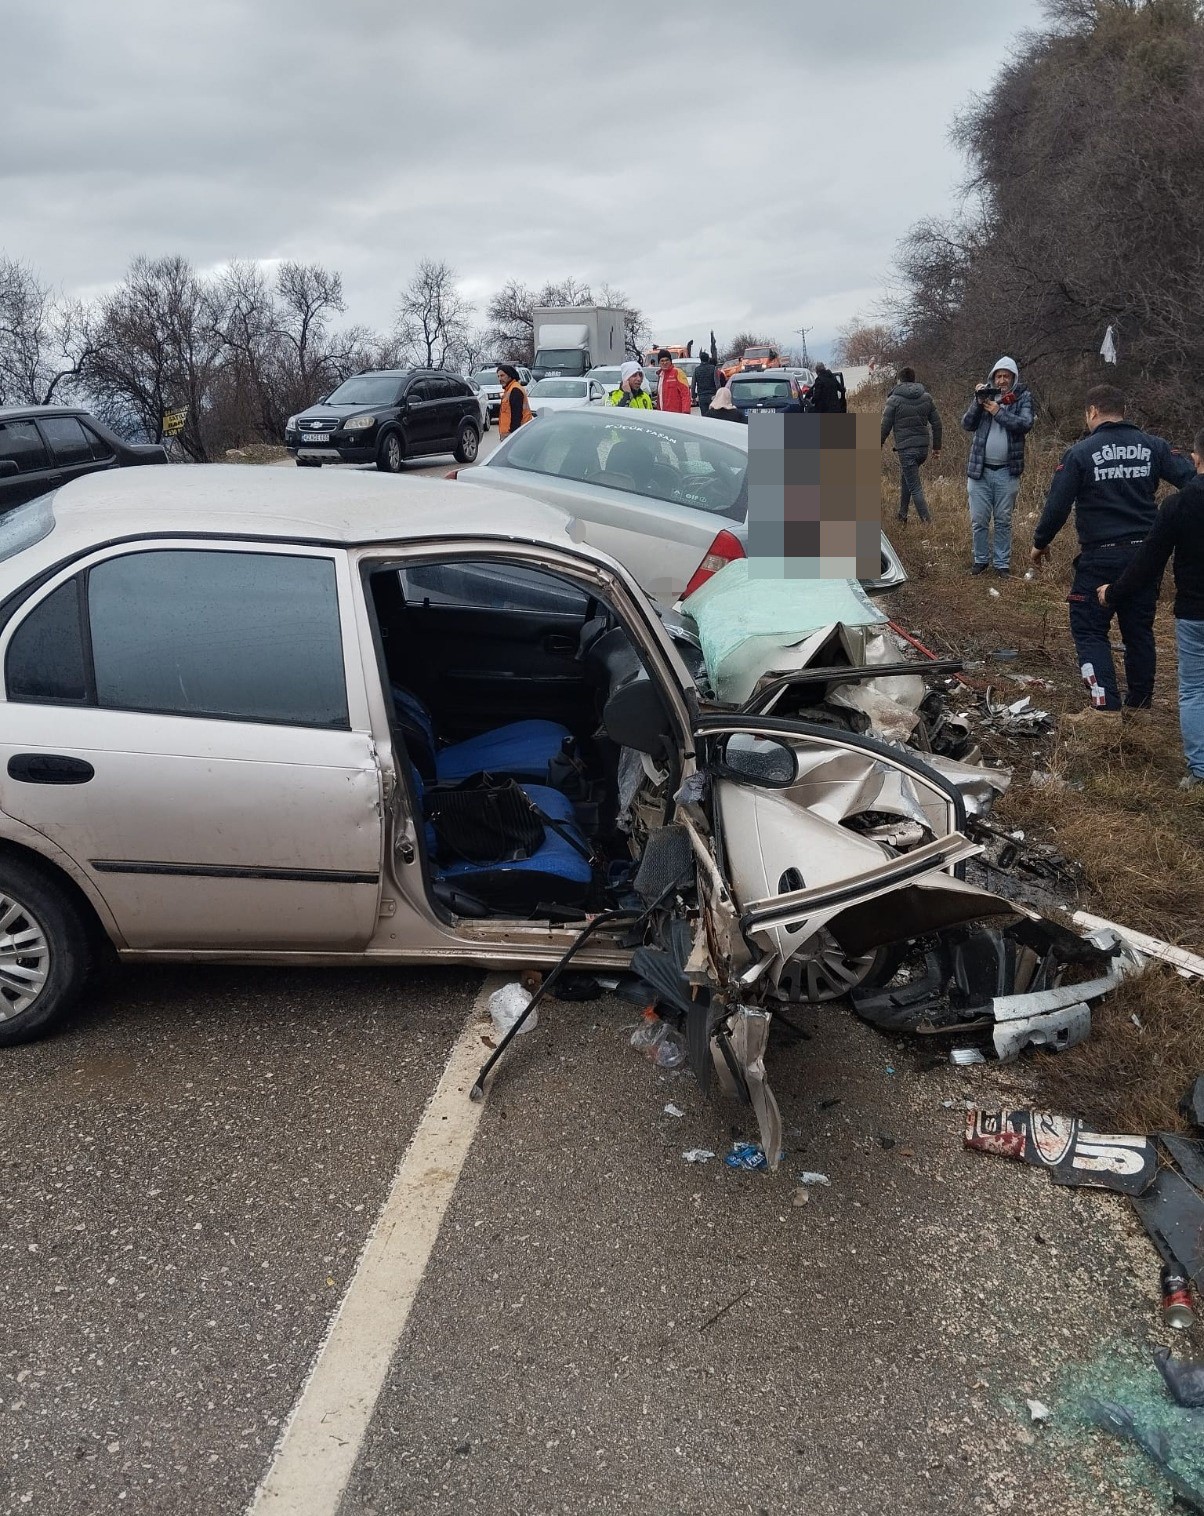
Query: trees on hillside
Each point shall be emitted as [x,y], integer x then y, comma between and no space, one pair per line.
[1085,209]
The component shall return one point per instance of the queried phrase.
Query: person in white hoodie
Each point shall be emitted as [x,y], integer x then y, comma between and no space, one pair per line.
[1000,416]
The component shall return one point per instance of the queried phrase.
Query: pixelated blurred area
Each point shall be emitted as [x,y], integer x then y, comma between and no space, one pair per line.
[813,496]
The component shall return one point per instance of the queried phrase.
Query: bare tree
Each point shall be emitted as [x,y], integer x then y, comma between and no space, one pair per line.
[432,315]
[869,342]
[43,339]
[154,349]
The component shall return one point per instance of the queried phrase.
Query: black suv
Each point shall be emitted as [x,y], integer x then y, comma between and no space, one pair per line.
[43,446]
[386,417]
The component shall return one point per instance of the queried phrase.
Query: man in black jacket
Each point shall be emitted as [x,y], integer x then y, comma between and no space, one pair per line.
[910,413]
[1179,529]
[827,393]
[705,382]
[1110,480]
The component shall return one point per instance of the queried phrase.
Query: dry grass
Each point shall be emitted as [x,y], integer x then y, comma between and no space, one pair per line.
[1140,840]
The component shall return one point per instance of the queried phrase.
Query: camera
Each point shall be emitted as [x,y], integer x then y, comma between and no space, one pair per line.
[989,393]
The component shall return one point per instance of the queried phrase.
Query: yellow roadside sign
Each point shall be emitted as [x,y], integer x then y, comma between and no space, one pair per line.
[173,421]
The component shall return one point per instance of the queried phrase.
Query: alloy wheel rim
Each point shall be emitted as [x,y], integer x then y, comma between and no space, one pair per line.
[393,453]
[24,957]
[470,445]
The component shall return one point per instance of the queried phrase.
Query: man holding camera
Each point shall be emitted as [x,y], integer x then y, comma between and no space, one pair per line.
[1110,480]
[1000,416]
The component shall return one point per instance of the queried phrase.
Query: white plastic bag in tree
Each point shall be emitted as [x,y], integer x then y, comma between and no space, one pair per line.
[507,1005]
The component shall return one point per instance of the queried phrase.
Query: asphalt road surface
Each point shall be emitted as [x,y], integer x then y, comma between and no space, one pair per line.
[192,1167]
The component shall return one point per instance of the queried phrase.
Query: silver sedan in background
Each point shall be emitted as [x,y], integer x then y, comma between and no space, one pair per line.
[664,494]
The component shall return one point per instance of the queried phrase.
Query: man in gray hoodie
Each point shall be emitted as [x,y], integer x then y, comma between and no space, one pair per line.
[1000,417]
[911,415]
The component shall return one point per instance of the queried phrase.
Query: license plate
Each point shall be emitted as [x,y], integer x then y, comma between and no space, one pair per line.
[307,437]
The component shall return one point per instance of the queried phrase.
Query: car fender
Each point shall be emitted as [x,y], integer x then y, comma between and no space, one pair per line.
[31,841]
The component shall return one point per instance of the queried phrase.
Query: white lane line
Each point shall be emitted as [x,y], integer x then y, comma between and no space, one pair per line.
[321,1440]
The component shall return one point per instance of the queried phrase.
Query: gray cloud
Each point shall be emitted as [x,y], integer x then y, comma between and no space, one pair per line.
[724,166]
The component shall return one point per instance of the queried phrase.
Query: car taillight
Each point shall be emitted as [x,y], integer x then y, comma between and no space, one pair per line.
[452,474]
[724,550]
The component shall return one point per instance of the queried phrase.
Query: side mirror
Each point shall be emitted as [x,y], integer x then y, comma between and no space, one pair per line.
[764,761]
[8,468]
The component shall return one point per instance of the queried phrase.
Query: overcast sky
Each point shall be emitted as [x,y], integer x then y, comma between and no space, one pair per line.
[726,165]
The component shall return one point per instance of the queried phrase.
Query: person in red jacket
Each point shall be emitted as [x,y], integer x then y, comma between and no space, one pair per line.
[672,390]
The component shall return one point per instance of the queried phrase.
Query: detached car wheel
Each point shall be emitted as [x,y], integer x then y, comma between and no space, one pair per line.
[467,442]
[390,455]
[45,955]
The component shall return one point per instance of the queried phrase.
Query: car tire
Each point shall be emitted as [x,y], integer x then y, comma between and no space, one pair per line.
[391,454]
[52,942]
[468,442]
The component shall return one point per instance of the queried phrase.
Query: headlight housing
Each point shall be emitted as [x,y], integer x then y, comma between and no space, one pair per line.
[359,423]
[291,424]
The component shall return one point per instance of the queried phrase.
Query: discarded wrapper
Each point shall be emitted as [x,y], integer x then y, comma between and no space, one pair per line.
[1064,1146]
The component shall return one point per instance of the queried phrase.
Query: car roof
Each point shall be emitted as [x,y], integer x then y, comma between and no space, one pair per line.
[603,417]
[275,504]
[764,373]
[20,412]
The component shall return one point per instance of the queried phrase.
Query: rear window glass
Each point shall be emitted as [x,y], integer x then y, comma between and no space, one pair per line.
[68,440]
[748,390]
[647,460]
[244,636]
[559,389]
[46,656]
[27,524]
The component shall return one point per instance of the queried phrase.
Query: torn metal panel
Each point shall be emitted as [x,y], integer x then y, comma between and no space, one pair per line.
[1188,964]
[1064,1146]
[803,907]
[918,909]
[748,1038]
[1024,1007]
[1188,1153]
[978,785]
[1057,1030]
[1172,1212]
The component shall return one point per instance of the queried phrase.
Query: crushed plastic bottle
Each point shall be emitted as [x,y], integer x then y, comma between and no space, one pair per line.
[649,1032]
[507,1005]
[670,1052]
[658,1041]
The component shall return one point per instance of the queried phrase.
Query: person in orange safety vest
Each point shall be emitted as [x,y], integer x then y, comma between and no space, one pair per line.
[515,411]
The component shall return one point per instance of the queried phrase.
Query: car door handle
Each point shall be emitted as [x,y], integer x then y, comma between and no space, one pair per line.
[49,768]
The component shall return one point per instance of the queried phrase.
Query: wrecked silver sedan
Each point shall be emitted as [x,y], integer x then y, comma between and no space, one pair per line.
[253,717]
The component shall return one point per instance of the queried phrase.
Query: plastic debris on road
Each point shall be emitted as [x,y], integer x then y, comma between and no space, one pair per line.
[747,1155]
[809,1177]
[1184,1380]
[671,1110]
[507,1005]
[1064,1146]
[1038,1410]
[698,1155]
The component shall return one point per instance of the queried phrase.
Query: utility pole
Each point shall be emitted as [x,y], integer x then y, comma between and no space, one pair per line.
[801,331]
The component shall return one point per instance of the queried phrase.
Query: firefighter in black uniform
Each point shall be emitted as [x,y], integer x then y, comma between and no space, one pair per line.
[1110,479]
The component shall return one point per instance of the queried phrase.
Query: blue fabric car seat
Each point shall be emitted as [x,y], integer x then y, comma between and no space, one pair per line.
[557,873]
[524,750]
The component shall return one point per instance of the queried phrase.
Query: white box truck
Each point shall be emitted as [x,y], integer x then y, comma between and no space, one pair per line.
[571,340]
